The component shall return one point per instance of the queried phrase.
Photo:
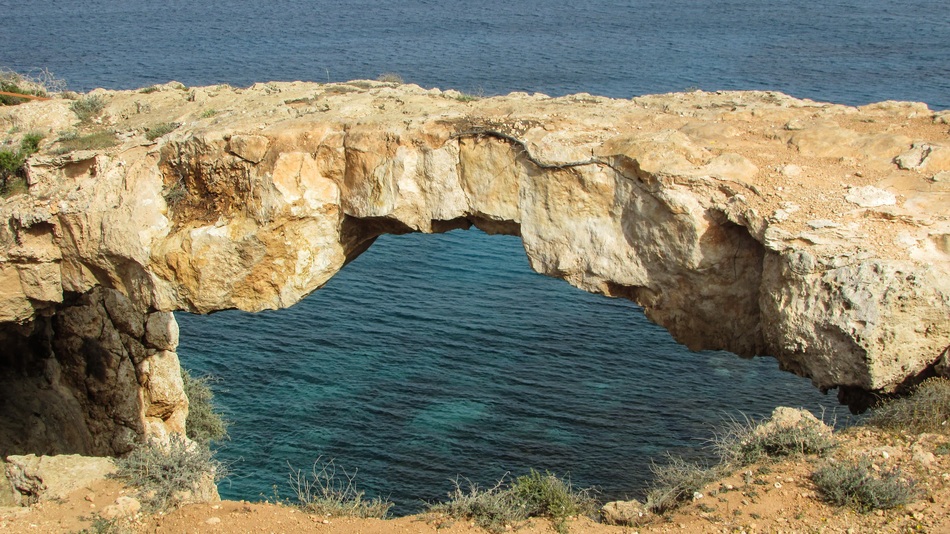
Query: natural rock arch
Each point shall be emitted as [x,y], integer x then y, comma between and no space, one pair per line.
[717,213]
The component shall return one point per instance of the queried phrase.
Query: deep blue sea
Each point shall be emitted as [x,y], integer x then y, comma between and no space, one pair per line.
[432,357]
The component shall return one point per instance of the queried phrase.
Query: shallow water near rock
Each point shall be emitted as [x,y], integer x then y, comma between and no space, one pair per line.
[436,356]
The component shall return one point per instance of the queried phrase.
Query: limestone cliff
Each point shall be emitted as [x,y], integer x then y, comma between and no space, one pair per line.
[746,221]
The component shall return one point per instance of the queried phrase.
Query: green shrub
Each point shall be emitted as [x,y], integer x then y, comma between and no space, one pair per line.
[746,442]
[926,409]
[72,141]
[31,143]
[326,493]
[10,162]
[552,497]
[88,107]
[12,165]
[159,130]
[503,505]
[163,473]
[855,484]
[149,90]
[676,481]
[204,424]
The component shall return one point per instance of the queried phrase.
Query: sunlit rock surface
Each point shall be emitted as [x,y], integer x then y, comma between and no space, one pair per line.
[746,221]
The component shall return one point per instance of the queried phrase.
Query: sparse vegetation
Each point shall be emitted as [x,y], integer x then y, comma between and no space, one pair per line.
[101,525]
[175,193]
[204,424]
[927,409]
[88,108]
[503,505]
[326,492]
[149,90]
[390,77]
[746,442]
[72,141]
[165,474]
[855,484]
[40,83]
[12,165]
[676,481]
[159,130]
[466,97]
[31,143]
[208,113]
[552,497]
[738,444]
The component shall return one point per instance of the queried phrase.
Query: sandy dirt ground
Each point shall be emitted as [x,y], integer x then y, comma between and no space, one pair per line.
[767,498]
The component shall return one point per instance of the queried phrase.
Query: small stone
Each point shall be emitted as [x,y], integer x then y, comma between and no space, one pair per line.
[870,197]
[90,497]
[326,521]
[212,520]
[124,506]
[791,171]
[697,495]
[778,485]
[924,458]
[623,512]
[818,224]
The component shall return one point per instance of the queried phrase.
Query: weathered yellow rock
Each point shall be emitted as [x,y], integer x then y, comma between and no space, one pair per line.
[738,220]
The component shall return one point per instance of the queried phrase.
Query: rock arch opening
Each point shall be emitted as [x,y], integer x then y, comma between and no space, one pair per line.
[433,356]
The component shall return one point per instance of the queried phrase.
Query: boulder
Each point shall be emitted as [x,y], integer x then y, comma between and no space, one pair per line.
[42,478]
[628,513]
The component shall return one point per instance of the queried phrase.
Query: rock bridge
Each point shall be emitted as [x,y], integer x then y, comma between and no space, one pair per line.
[751,222]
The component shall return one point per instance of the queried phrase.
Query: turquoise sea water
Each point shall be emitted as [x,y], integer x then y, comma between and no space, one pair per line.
[436,356]
[431,357]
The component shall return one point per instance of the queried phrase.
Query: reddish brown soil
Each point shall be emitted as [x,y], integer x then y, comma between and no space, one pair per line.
[773,498]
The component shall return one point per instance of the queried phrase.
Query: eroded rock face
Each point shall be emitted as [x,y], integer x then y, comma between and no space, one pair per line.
[91,379]
[751,222]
